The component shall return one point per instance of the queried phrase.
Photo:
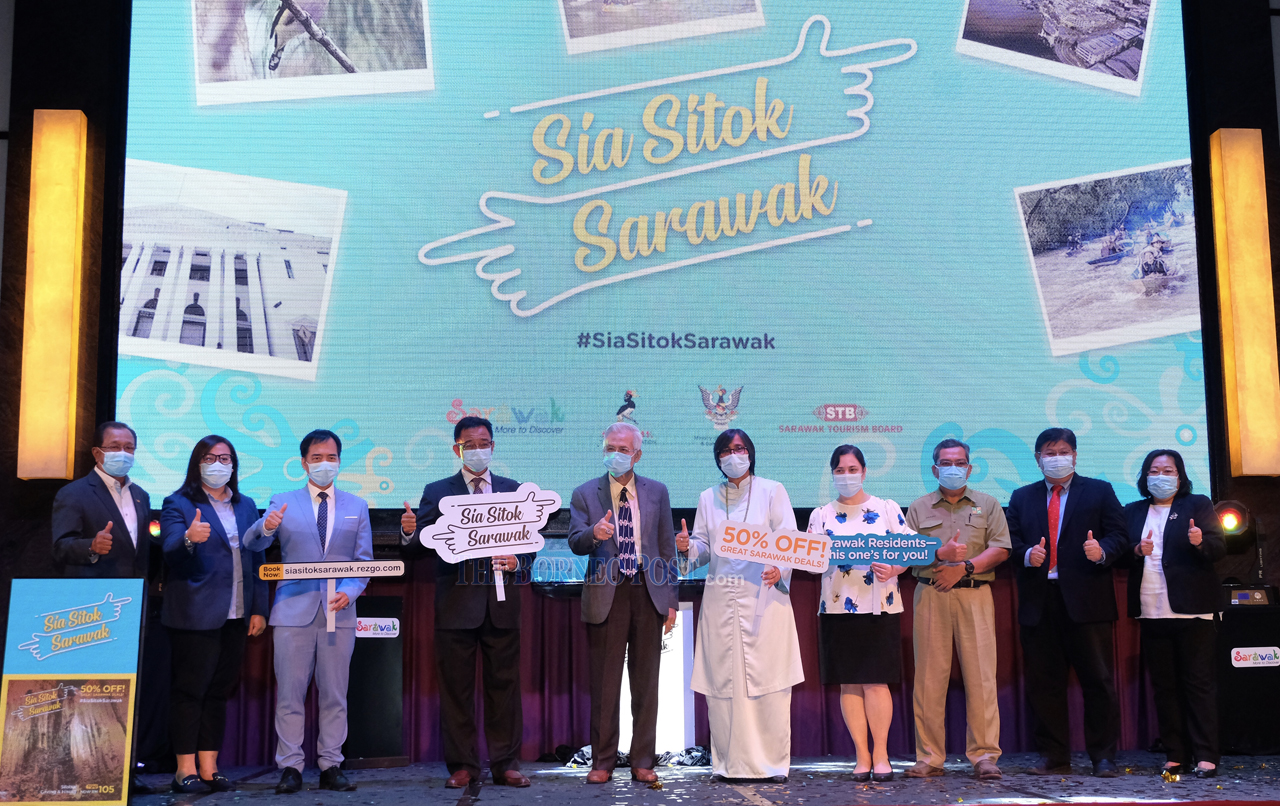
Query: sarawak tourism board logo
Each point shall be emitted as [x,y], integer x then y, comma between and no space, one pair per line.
[721,405]
[526,418]
[75,627]
[1255,656]
[839,418]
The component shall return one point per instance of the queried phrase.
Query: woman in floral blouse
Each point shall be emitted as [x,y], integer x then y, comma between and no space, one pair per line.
[859,635]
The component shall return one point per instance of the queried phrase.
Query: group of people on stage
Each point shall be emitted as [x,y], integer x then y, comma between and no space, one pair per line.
[1063,534]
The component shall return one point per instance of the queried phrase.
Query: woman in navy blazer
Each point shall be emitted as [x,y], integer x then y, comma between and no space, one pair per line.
[1175,538]
[213,600]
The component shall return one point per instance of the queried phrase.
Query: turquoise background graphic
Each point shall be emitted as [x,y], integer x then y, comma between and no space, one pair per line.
[928,317]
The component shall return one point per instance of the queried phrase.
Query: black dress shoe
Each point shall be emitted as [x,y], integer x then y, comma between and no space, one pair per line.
[882,777]
[1201,772]
[1044,766]
[219,783]
[862,777]
[333,778]
[136,787]
[188,786]
[290,781]
[717,778]
[1174,769]
[1105,768]
[777,779]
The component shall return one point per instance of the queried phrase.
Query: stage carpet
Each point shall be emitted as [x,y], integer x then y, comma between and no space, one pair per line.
[813,782]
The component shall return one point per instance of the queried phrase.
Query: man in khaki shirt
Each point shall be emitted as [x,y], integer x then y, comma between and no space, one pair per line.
[953,606]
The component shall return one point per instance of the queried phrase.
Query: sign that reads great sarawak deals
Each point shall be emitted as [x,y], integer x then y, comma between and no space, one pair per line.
[70,662]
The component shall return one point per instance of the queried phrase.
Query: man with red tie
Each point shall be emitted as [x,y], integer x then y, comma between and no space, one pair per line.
[1067,531]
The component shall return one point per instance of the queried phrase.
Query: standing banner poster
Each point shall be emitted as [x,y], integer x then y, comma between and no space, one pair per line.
[70,675]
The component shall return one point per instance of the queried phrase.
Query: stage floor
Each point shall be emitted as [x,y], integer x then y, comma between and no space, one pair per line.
[814,782]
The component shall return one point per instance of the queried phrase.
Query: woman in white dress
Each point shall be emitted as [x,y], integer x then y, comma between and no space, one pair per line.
[859,615]
[748,653]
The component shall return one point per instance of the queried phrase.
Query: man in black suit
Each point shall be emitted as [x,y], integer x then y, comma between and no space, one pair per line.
[469,617]
[623,521]
[1066,532]
[102,528]
[102,521]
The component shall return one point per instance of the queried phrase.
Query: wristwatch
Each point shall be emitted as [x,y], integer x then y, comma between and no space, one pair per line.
[187,542]
[968,568]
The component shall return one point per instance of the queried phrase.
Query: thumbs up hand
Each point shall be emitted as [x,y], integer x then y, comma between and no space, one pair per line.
[604,529]
[408,521]
[1038,555]
[954,551]
[198,531]
[682,539]
[1147,545]
[102,540]
[1195,533]
[273,519]
[1092,548]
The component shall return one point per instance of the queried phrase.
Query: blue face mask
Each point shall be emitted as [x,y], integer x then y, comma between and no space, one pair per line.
[477,460]
[1162,487]
[735,465]
[848,484]
[322,474]
[117,463]
[953,478]
[617,464]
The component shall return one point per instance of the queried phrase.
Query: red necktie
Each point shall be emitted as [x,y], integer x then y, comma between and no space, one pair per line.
[1055,508]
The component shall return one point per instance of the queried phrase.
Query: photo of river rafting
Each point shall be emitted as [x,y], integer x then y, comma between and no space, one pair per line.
[1115,257]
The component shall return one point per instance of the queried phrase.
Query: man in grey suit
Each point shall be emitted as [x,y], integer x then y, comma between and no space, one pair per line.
[623,521]
[318,523]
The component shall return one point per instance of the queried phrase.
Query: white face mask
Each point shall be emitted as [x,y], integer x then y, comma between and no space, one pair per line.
[848,485]
[735,465]
[1057,467]
[477,460]
[215,476]
[322,474]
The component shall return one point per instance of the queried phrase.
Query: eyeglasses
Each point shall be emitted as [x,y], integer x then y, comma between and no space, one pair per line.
[738,450]
[949,463]
[1165,471]
[475,446]
[625,451]
[216,458]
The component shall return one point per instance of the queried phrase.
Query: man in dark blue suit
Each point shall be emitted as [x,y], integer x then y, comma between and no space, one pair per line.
[1067,531]
[102,521]
[102,530]
[469,618]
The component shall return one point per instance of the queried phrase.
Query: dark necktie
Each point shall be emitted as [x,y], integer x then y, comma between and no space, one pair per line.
[1055,513]
[322,518]
[626,536]
[476,484]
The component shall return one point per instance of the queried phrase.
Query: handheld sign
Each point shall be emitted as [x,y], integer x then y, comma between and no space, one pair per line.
[284,572]
[786,548]
[491,525]
[890,549]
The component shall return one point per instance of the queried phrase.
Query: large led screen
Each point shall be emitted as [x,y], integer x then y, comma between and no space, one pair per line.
[823,222]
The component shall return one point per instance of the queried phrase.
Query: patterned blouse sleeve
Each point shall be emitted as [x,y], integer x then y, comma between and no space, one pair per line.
[897,521]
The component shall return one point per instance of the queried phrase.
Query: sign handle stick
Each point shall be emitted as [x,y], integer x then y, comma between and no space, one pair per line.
[330,617]
[502,592]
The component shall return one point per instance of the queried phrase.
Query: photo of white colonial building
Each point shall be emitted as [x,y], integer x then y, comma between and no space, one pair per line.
[203,287]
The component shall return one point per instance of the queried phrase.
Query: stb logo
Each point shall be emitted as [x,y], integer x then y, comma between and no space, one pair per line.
[840,413]
[720,409]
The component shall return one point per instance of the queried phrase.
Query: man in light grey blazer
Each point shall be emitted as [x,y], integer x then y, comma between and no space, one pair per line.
[318,523]
[623,521]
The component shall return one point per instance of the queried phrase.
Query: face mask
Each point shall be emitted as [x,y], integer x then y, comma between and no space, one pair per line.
[477,460]
[617,464]
[117,463]
[849,484]
[322,474]
[953,478]
[1057,467]
[735,465]
[215,476]
[1162,487]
